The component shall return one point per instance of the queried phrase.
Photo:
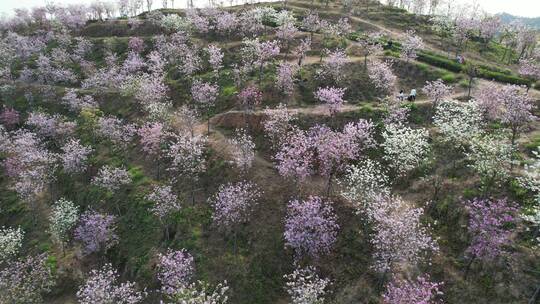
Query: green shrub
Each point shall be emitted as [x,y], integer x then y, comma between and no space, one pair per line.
[500,77]
[439,62]
[449,78]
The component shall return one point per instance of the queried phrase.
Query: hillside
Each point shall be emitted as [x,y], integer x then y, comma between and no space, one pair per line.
[262,153]
[532,22]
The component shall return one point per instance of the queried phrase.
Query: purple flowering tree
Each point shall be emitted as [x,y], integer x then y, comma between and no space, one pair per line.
[205,94]
[488,220]
[422,290]
[381,75]
[27,280]
[332,97]
[175,270]
[96,232]
[102,286]
[233,204]
[310,227]
[75,156]
[165,202]
[285,78]
[152,136]
[437,91]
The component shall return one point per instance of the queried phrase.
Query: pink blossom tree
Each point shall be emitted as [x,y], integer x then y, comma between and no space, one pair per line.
[152,137]
[9,117]
[249,98]
[242,150]
[411,45]
[370,46]
[27,280]
[295,156]
[102,286]
[111,178]
[205,94]
[421,290]
[301,50]
[334,150]
[215,58]
[165,203]
[310,227]
[233,204]
[278,123]
[136,44]
[285,78]
[399,237]
[488,222]
[437,91]
[331,96]
[75,156]
[175,270]
[334,65]
[96,232]
[380,73]
[264,52]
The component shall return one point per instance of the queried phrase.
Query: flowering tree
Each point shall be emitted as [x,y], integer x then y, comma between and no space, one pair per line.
[250,97]
[363,183]
[96,232]
[111,179]
[285,78]
[201,293]
[233,204]
[165,201]
[399,237]
[187,157]
[333,97]
[26,281]
[75,156]
[152,136]
[370,46]
[76,103]
[301,50]
[175,270]
[286,32]
[10,243]
[404,148]
[9,117]
[305,286]
[509,104]
[334,64]
[136,44]
[411,45]
[381,75]
[518,110]
[102,287]
[64,215]
[488,222]
[436,91]
[531,181]
[421,290]
[310,227]
[458,122]
[278,123]
[242,150]
[29,163]
[491,158]
[295,155]
[530,67]
[265,51]
[333,150]
[115,130]
[215,58]
[205,94]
